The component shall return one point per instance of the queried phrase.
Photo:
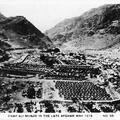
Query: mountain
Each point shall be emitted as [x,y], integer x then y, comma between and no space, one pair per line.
[18,32]
[98,28]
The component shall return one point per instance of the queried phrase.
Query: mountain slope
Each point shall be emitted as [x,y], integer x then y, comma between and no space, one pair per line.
[18,32]
[98,28]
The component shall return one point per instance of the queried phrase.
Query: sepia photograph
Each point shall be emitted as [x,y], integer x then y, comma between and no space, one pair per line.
[60,57]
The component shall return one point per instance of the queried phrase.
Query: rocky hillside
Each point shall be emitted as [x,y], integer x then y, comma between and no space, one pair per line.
[98,28]
[18,32]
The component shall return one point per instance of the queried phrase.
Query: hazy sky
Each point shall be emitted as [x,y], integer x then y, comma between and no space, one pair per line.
[44,14]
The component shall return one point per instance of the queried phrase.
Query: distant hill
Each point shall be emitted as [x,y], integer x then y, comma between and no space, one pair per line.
[18,32]
[98,28]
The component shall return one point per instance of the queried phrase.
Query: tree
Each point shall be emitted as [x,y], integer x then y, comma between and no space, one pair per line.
[56,50]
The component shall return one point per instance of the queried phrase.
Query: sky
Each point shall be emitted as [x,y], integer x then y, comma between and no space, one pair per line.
[45,14]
